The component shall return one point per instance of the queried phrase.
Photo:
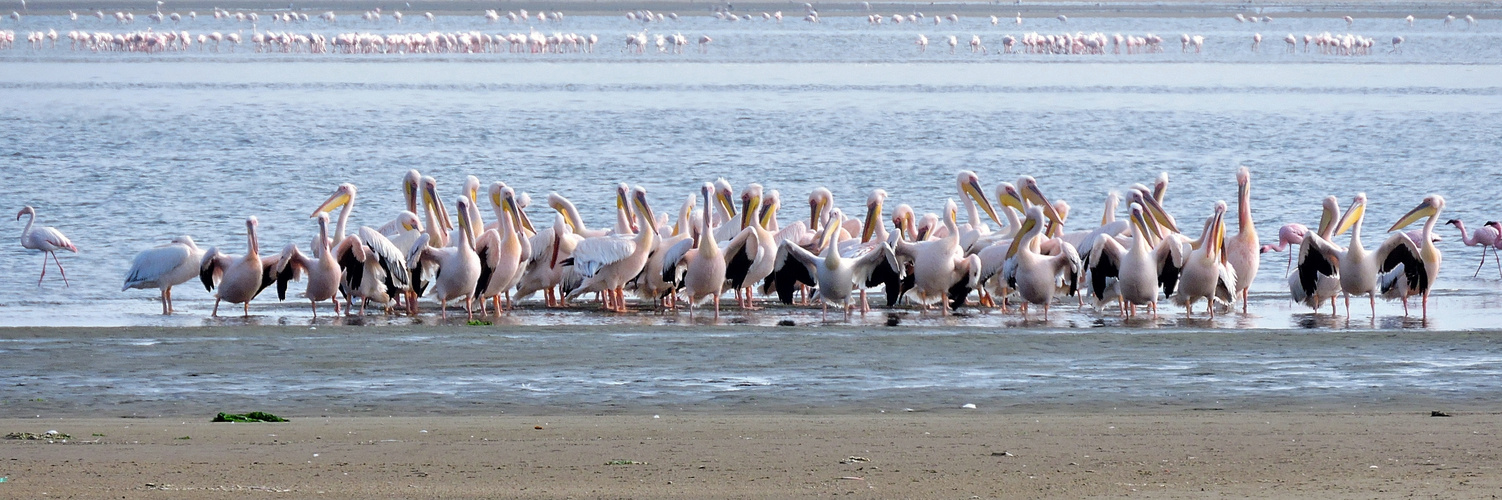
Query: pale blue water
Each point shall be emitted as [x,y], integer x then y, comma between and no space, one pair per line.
[122,151]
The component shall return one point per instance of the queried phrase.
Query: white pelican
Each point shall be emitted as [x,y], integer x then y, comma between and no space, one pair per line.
[239,279]
[1132,274]
[605,264]
[724,226]
[1316,277]
[164,267]
[968,185]
[458,266]
[704,274]
[661,277]
[374,267]
[1484,236]
[1408,267]
[1206,275]
[836,276]
[1036,276]
[625,218]
[1243,251]
[436,216]
[503,251]
[322,267]
[544,272]
[751,254]
[873,234]
[47,239]
[1358,267]
[940,268]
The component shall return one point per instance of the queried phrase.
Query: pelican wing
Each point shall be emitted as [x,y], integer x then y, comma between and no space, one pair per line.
[887,272]
[212,267]
[272,272]
[969,279]
[1317,258]
[1400,267]
[150,266]
[880,256]
[592,254]
[489,249]
[1103,263]
[350,253]
[675,262]
[390,258]
[740,253]
[1170,254]
[794,265]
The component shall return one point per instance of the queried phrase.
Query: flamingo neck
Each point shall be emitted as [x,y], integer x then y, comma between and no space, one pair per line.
[29,221]
[1468,240]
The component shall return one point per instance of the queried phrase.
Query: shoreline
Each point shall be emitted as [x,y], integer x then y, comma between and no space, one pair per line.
[1164,454]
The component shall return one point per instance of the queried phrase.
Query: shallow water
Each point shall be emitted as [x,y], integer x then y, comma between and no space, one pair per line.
[122,151]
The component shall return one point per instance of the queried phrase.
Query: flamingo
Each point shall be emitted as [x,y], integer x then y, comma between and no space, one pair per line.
[1484,237]
[47,239]
[1287,235]
[164,267]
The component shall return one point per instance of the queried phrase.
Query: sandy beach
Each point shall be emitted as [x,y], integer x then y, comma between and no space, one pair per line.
[958,454]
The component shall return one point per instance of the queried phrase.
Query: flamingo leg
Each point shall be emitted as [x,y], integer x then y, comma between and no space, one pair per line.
[1473,275]
[59,267]
[44,269]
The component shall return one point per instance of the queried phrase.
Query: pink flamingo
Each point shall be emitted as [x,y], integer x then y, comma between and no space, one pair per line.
[1287,235]
[1484,237]
[1256,41]
[47,239]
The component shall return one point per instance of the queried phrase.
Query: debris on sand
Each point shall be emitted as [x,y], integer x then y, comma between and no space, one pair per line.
[255,416]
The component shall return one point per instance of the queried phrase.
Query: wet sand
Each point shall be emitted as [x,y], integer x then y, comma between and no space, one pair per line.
[959,454]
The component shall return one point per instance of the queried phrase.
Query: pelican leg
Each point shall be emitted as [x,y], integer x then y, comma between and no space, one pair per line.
[1348,306]
[1373,297]
[164,301]
[314,303]
[216,307]
[717,306]
[469,307]
[1245,294]
[1425,302]
[824,316]
[847,309]
[247,309]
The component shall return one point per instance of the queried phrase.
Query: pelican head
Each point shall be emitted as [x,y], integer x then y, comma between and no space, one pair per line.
[1218,230]
[1160,187]
[1243,183]
[522,201]
[623,203]
[969,184]
[724,195]
[1154,209]
[1430,207]
[433,203]
[1353,214]
[342,196]
[250,233]
[750,204]
[410,184]
[819,202]
[769,207]
[472,188]
[926,226]
[409,221]
[1030,192]
[508,200]
[495,194]
[905,220]
[462,206]
[1139,221]
[874,203]
[639,197]
[1007,196]
[1327,218]
[187,240]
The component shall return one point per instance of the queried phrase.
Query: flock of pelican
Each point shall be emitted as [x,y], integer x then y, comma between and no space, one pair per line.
[720,242]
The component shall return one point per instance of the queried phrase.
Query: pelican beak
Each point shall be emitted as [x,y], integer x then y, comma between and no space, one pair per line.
[1243,189]
[511,209]
[748,210]
[1027,226]
[814,207]
[1326,220]
[1010,198]
[1353,215]
[873,219]
[1159,217]
[435,204]
[409,191]
[922,234]
[1150,223]
[1031,193]
[972,189]
[474,195]
[724,197]
[526,221]
[646,210]
[495,199]
[339,199]
[1425,209]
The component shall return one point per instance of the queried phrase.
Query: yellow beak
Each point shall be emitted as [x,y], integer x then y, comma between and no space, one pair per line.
[337,200]
[1425,209]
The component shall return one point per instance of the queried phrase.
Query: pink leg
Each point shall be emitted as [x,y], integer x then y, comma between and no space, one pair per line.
[44,269]
[59,267]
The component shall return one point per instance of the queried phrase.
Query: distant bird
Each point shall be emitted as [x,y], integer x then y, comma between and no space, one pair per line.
[164,267]
[47,239]
[1484,237]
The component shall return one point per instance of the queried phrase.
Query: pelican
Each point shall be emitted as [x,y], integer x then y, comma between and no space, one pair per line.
[240,279]
[940,268]
[1206,275]
[1242,250]
[968,185]
[1358,268]
[1036,276]
[1132,273]
[835,275]
[1316,276]
[874,234]
[662,276]
[543,272]
[374,268]
[458,266]
[503,251]
[704,275]
[437,217]
[606,263]
[1409,267]
[47,239]
[751,254]
[1484,236]
[164,267]
[322,267]
[724,230]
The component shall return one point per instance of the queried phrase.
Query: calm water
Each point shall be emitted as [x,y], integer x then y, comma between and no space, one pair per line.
[122,151]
